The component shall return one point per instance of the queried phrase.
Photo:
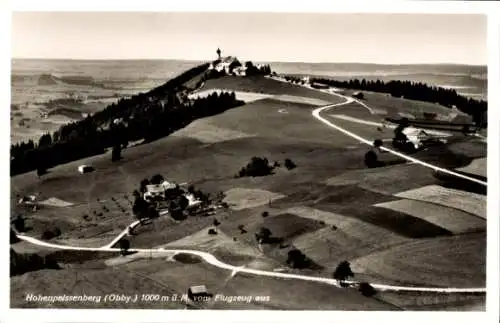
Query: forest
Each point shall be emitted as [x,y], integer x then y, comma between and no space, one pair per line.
[413,91]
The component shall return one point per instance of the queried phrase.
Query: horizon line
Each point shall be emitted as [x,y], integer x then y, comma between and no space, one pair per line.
[264,61]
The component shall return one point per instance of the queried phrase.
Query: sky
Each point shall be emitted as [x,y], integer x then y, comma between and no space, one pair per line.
[297,37]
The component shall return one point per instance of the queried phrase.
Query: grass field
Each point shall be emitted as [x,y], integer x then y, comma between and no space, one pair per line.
[433,302]
[386,180]
[476,167]
[468,202]
[260,84]
[446,261]
[205,132]
[241,198]
[453,220]
[395,106]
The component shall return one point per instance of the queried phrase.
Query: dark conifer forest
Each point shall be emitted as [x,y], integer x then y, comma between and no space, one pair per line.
[412,91]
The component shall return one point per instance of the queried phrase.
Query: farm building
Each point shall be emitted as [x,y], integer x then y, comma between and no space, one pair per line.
[240,71]
[415,136]
[193,202]
[226,64]
[317,85]
[28,200]
[154,190]
[198,292]
[163,190]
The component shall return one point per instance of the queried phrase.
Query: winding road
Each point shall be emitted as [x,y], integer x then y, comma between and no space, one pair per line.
[211,259]
[317,114]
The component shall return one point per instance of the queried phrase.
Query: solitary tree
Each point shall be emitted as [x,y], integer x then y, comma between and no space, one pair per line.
[124,246]
[19,224]
[13,237]
[116,153]
[157,179]
[367,290]
[263,235]
[343,271]
[40,171]
[289,164]
[296,259]
[144,183]
[371,159]
[218,53]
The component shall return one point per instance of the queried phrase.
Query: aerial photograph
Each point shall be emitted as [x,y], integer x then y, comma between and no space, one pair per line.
[248,161]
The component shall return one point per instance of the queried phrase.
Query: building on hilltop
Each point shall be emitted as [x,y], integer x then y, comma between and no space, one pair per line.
[225,64]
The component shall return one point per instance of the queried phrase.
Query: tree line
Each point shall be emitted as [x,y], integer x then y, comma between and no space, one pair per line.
[147,116]
[413,91]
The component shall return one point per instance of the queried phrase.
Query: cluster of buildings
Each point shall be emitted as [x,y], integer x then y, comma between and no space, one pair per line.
[167,190]
[230,65]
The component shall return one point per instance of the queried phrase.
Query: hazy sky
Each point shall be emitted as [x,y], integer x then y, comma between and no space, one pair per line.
[367,38]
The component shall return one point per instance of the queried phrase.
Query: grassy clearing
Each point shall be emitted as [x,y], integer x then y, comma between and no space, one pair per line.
[54,201]
[476,167]
[457,261]
[356,110]
[394,106]
[353,201]
[96,282]
[342,238]
[368,132]
[386,180]
[203,131]
[93,224]
[435,302]
[301,100]
[287,226]
[240,95]
[242,198]
[311,296]
[260,84]
[450,219]
[265,119]
[221,242]
[466,201]
[303,295]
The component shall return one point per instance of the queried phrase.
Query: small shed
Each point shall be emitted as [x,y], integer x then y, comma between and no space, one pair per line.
[85,169]
[196,292]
